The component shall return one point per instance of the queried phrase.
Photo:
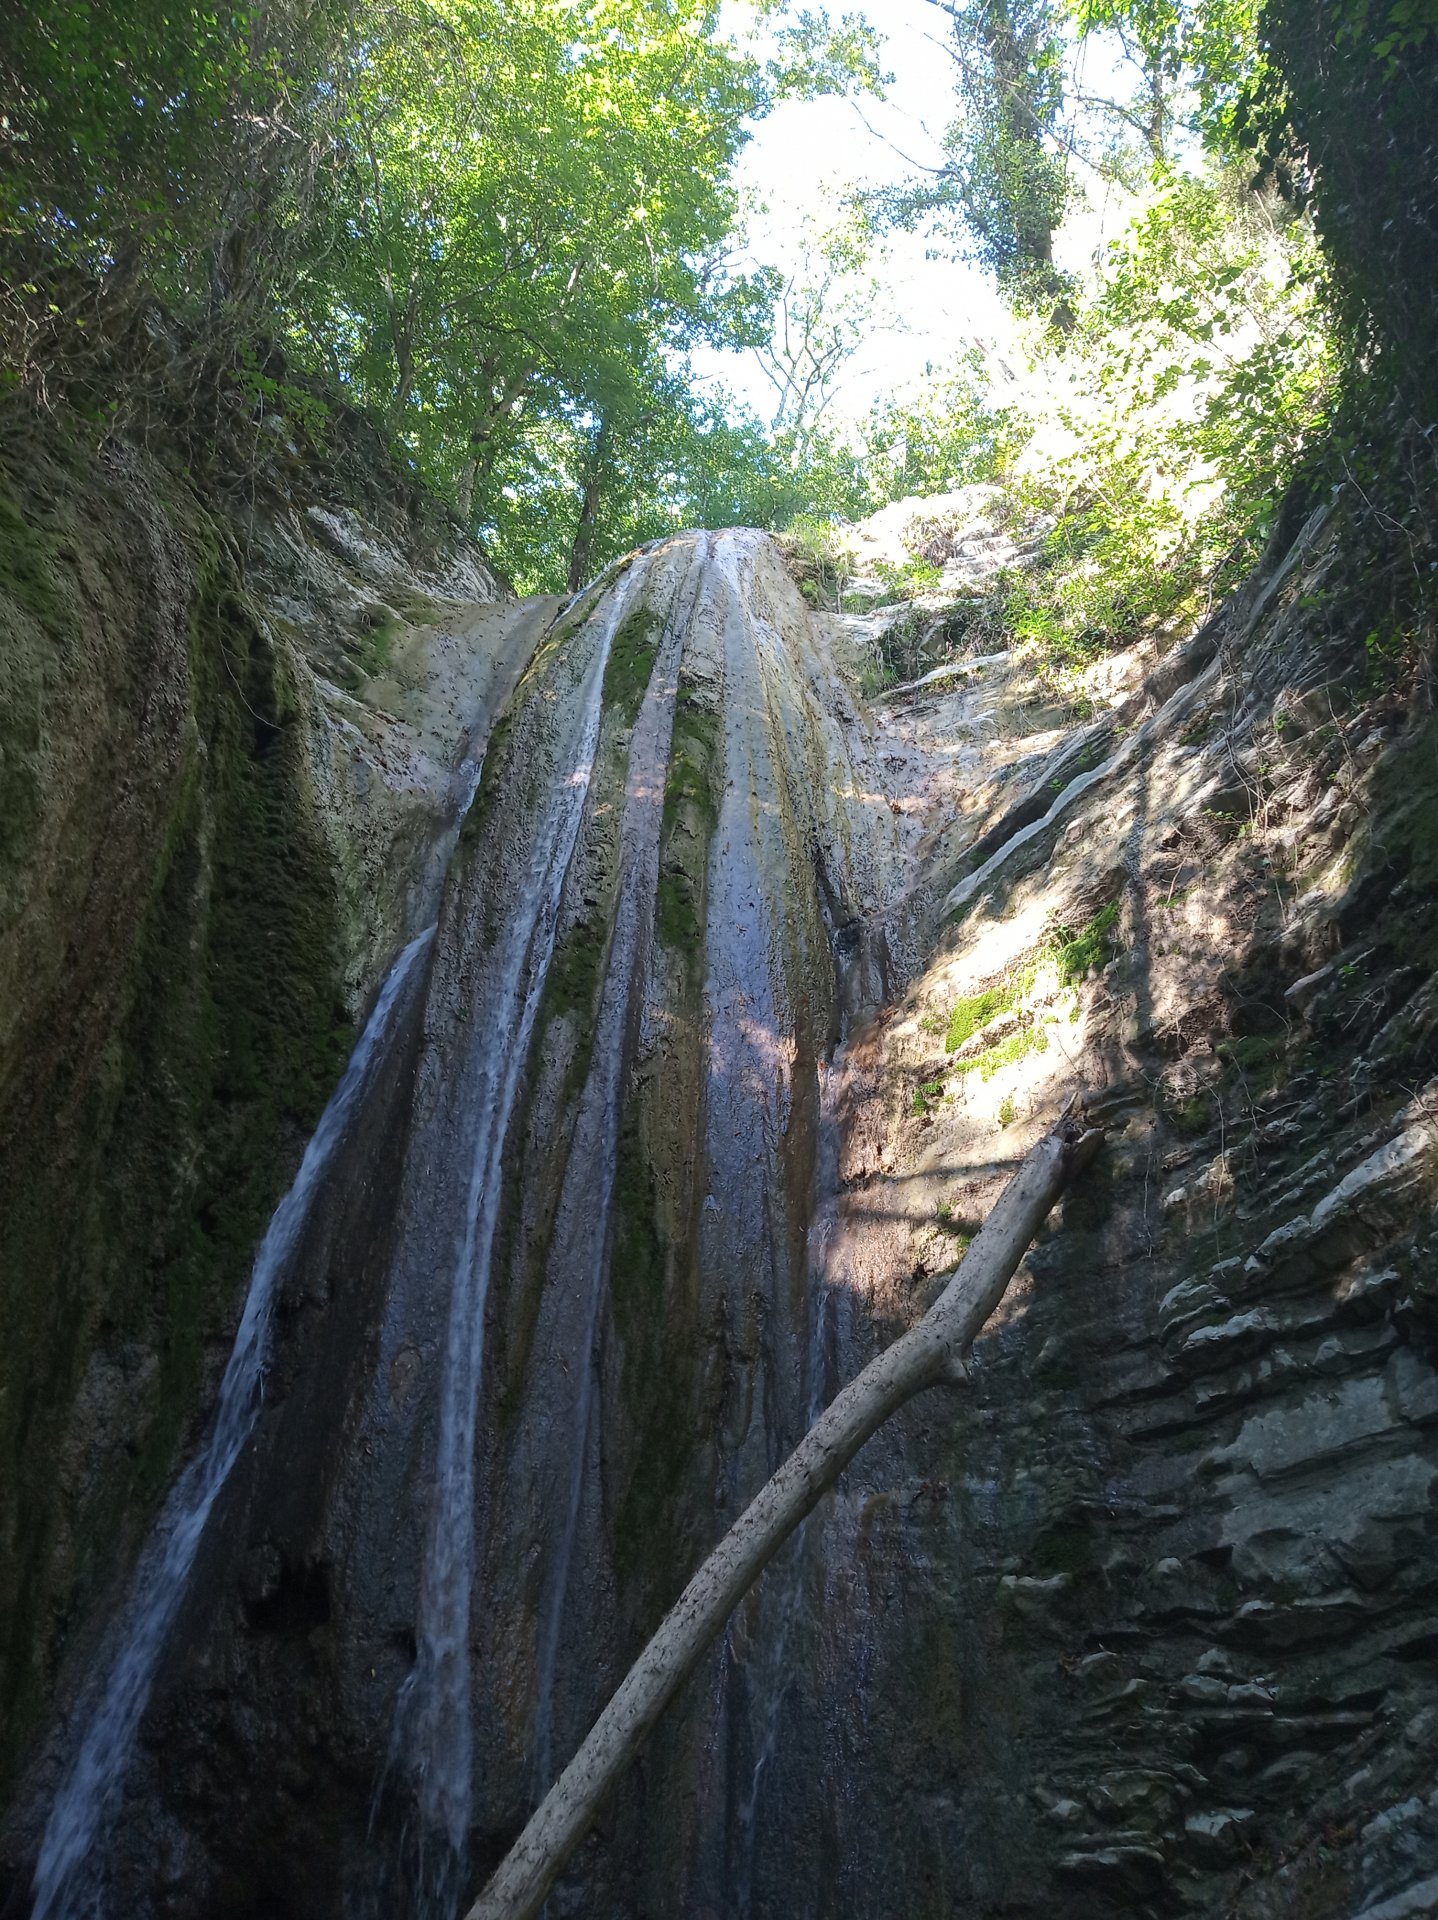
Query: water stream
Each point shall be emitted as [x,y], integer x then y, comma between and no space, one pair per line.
[513,1561]
[69,1872]
[432,1743]
[581,1246]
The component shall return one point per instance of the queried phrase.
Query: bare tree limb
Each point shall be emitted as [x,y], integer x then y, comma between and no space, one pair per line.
[931,1353]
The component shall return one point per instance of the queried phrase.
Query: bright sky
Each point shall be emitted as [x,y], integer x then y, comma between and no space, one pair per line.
[805,150]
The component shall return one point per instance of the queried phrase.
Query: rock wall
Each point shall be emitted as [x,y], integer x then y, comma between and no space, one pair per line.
[210,850]
[1142,1624]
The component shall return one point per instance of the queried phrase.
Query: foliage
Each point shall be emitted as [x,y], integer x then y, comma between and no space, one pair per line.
[816,55]
[136,138]
[1340,114]
[917,575]
[826,308]
[679,462]
[1198,379]
[820,558]
[1335,102]
[494,225]
[1004,185]
[952,434]
[1194,57]
[527,216]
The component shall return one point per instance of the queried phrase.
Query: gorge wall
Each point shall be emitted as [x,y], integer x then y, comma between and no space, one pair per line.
[744,998]
[231,768]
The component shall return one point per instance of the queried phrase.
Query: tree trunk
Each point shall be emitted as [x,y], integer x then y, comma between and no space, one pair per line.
[583,546]
[930,1353]
[482,442]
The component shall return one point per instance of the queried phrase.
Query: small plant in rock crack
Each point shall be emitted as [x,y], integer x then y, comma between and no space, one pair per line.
[1008,1112]
[1078,950]
[928,1095]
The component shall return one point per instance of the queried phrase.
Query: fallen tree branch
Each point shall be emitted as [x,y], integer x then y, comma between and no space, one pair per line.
[931,1353]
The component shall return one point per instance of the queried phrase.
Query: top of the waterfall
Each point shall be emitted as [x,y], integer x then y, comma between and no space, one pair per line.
[967,533]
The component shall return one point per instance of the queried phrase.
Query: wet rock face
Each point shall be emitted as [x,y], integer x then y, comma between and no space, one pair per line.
[1147,1622]
[182,955]
[636,972]
[767,996]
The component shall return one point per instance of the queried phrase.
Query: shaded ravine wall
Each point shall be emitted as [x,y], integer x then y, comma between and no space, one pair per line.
[182,965]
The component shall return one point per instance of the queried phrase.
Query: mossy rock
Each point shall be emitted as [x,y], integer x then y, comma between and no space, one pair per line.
[691,813]
[167,1075]
[632,654]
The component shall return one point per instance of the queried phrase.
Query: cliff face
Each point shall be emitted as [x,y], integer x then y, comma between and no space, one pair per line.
[744,999]
[211,849]
[1142,1623]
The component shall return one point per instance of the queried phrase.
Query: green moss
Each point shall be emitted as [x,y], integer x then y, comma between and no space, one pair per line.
[631,662]
[572,987]
[691,812]
[496,759]
[926,1095]
[572,984]
[1005,1053]
[1256,1056]
[1065,1547]
[564,629]
[1092,946]
[165,1113]
[377,643]
[1072,953]
[27,570]
[977,1010]
[1190,1117]
[657,1380]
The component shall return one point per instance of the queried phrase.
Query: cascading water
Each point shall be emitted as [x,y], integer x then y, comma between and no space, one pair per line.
[432,1743]
[581,1246]
[753,1020]
[69,1873]
[513,1441]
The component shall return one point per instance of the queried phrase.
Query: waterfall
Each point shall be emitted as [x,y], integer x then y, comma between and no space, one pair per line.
[67,1875]
[581,1245]
[433,1733]
[630,1001]
[752,999]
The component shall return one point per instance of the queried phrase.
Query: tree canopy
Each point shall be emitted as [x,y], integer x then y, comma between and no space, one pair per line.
[500,228]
